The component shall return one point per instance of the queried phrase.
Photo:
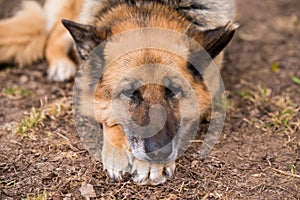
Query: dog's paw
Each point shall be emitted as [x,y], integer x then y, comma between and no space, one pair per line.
[146,173]
[116,162]
[61,70]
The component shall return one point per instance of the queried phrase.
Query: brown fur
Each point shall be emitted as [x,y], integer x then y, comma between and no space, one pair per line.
[123,18]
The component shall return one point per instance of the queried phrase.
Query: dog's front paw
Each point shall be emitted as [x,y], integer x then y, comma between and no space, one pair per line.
[116,161]
[61,70]
[153,174]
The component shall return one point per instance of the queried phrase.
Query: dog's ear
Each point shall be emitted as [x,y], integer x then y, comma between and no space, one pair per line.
[213,41]
[86,37]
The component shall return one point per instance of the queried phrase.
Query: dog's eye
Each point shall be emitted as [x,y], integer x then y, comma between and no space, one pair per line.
[174,92]
[169,93]
[133,95]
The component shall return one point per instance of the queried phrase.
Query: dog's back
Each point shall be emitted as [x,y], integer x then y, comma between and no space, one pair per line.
[207,14]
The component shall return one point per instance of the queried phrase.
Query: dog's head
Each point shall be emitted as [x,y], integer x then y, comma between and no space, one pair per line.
[155,95]
[155,100]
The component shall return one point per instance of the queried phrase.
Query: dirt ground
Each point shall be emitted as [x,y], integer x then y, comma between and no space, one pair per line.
[257,157]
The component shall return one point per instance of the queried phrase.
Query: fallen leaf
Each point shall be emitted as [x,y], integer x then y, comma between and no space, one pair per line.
[296,80]
[275,67]
[87,191]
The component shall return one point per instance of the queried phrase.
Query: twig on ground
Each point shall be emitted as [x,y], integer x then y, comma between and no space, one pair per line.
[285,173]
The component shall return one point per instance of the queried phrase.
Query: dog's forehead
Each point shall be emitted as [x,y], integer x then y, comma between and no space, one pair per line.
[145,39]
[147,66]
[150,74]
[149,62]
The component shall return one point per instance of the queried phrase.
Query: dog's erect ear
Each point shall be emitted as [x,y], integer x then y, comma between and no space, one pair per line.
[86,37]
[213,41]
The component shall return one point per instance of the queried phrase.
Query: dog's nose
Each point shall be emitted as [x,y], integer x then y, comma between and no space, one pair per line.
[158,152]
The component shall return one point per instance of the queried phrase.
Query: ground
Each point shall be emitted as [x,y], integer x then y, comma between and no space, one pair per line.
[257,157]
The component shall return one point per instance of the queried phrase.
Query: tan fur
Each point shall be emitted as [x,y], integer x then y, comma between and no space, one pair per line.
[114,136]
[33,34]
[22,39]
[70,10]
[60,42]
[123,18]
[160,18]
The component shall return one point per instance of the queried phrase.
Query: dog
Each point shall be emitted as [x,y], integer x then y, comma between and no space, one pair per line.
[135,55]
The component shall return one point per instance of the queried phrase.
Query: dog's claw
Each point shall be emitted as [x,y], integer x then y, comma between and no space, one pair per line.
[143,173]
[147,173]
[117,176]
[169,170]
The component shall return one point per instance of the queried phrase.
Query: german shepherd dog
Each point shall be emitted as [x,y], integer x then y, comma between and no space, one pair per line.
[139,52]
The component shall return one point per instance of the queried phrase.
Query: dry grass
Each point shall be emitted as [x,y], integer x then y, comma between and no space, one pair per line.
[16,92]
[42,196]
[274,113]
[36,117]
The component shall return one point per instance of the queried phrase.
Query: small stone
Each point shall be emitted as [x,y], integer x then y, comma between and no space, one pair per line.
[24,79]
[195,164]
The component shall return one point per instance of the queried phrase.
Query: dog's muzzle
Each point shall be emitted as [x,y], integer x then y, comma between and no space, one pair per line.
[159,147]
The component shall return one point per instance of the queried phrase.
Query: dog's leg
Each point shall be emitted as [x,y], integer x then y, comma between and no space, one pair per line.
[117,160]
[61,67]
[23,36]
[116,155]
